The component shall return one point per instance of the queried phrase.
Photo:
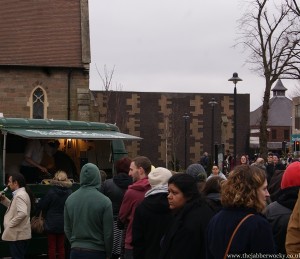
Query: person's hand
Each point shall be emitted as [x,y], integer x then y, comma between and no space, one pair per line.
[43,169]
[2,196]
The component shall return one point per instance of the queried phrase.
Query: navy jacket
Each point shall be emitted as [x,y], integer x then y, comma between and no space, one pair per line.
[52,206]
[253,236]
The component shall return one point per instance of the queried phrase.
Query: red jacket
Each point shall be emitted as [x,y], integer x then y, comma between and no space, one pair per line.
[133,196]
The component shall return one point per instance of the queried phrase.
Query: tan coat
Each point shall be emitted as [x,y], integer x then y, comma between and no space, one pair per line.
[17,217]
[292,241]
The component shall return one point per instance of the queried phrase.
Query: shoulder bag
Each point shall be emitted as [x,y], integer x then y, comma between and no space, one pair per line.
[234,232]
[37,223]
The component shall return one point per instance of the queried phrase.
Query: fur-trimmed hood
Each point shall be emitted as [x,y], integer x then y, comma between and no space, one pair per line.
[66,184]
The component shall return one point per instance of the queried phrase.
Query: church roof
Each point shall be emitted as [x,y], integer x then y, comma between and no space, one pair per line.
[280,111]
[279,86]
[42,33]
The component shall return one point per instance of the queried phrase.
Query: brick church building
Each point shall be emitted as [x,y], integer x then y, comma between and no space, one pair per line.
[44,59]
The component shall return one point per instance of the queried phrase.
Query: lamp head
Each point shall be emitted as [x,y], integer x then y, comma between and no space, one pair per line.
[235,78]
[212,102]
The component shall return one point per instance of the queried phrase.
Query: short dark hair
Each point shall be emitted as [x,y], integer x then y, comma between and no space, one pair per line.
[17,177]
[213,185]
[144,162]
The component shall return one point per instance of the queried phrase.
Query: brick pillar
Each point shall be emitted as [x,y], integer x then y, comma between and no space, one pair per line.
[83,103]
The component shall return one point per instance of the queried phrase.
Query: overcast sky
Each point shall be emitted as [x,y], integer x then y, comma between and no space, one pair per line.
[171,46]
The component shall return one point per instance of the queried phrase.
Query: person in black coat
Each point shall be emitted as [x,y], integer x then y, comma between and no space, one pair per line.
[185,236]
[152,216]
[270,167]
[212,192]
[115,189]
[52,206]
[278,212]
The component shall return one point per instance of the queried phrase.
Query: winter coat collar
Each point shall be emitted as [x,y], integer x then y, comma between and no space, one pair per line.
[157,189]
[65,184]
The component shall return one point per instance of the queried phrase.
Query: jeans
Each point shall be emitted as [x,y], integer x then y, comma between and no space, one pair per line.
[81,253]
[18,248]
[56,245]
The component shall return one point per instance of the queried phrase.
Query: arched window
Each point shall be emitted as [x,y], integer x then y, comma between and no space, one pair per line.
[38,103]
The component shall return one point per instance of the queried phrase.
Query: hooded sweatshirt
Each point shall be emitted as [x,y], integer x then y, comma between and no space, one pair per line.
[88,214]
[134,195]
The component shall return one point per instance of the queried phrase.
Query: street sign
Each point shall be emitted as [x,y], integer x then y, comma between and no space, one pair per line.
[295,137]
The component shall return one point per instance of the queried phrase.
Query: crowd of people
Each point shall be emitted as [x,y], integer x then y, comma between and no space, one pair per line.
[145,212]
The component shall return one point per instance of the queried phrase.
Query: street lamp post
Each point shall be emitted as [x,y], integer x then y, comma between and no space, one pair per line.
[186,117]
[212,104]
[235,79]
[291,132]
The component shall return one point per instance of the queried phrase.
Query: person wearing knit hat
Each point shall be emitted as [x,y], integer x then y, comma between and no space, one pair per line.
[291,176]
[199,174]
[159,177]
[152,216]
[197,171]
[279,211]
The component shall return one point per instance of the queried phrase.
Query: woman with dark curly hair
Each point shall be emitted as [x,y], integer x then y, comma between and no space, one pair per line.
[243,197]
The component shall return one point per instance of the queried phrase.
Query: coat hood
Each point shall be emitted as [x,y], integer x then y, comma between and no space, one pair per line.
[65,184]
[90,176]
[140,185]
[122,180]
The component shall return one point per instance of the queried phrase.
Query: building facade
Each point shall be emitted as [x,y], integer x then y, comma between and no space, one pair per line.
[44,73]
[279,122]
[176,127]
[44,59]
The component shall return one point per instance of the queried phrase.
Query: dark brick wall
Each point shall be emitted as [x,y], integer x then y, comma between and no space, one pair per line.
[158,117]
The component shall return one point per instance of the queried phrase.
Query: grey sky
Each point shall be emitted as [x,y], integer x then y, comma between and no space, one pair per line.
[171,46]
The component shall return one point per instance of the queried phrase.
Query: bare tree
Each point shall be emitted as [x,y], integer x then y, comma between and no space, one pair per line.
[269,30]
[107,83]
[176,131]
[293,5]
[117,113]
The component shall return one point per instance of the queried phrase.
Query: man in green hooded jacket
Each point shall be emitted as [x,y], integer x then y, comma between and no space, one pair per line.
[88,218]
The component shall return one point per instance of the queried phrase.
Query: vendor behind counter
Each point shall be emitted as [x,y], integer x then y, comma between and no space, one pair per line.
[42,159]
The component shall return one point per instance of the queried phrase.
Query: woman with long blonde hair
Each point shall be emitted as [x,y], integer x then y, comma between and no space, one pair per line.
[52,206]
